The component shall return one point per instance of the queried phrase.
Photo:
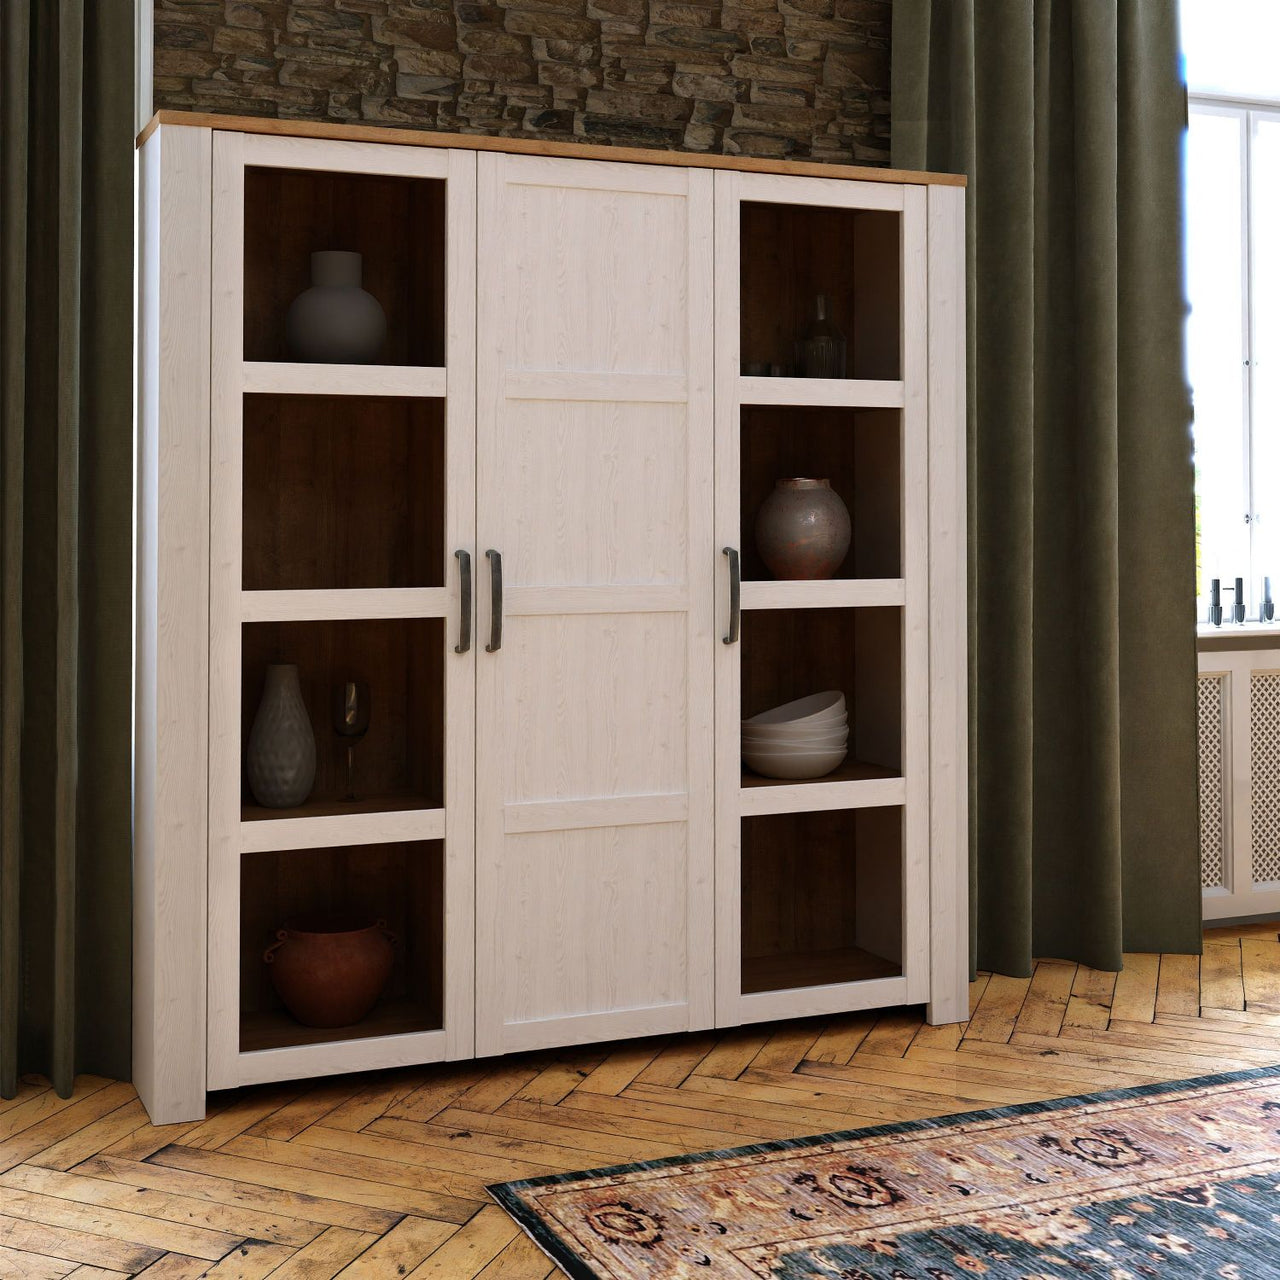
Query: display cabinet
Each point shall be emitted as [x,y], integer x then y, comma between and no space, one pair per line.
[520,540]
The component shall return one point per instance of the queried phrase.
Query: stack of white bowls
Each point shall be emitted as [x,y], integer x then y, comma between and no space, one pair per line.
[807,738]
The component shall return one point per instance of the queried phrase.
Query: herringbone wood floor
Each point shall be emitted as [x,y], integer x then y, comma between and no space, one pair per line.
[384,1175]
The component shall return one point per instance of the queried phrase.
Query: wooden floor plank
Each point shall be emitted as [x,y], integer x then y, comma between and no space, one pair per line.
[892,1034]
[579,1140]
[33,1266]
[1178,986]
[1092,992]
[53,1121]
[732,1054]
[286,1166]
[273,1203]
[619,1069]
[25,1236]
[497,1086]
[316,1104]
[997,1012]
[177,1266]
[1045,1005]
[946,1037]
[165,1236]
[328,1254]
[1135,994]
[251,1261]
[520,1260]
[88,1141]
[396,1253]
[680,1058]
[625,1120]
[558,1080]
[106,1193]
[684,1115]
[1222,976]
[471,1248]
[242,1114]
[1260,961]
[841,1037]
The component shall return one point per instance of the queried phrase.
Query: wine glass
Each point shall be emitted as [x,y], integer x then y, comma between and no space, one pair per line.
[351,708]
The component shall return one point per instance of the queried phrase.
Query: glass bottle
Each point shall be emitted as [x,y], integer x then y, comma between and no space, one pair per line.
[822,352]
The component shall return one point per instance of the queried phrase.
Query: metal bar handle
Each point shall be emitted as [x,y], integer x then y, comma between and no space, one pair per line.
[495,615]
[735,596]
[464,616]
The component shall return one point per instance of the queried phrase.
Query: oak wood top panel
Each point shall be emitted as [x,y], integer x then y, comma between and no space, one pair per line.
[538,147]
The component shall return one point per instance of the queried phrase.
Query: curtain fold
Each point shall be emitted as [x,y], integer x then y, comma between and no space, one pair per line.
[1068,117]
[66,418]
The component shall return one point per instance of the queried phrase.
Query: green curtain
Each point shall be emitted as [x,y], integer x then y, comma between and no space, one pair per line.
[66,413]
[1068,118]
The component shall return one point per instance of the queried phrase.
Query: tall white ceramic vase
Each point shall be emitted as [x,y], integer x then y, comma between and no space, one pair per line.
[281,759]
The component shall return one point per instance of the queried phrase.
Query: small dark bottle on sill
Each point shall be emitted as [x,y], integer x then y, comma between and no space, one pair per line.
[822,352]
[1215,602]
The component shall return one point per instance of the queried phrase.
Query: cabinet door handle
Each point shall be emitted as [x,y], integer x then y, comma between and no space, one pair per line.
[735,595]
[464,615]
[495,607]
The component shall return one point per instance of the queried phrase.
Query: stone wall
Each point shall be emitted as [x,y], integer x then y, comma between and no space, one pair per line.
[798,78]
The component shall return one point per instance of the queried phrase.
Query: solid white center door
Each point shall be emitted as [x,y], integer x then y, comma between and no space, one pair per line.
[594,841]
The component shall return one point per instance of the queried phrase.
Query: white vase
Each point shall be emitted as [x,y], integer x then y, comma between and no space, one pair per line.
[335,321]
[281,759]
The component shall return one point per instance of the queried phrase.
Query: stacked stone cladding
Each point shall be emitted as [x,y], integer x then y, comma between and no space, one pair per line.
[802,79]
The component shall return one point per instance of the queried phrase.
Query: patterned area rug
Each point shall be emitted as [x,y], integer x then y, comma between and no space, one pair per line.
[1158,1181]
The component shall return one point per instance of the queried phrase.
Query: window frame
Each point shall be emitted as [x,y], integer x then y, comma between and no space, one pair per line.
[1248,111]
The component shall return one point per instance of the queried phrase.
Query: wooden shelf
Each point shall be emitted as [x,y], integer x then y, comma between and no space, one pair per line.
[854,785]
[797,969]
[271,377]
[339,604]
[829,593]
[378,820]
[831,393]
[275,1029]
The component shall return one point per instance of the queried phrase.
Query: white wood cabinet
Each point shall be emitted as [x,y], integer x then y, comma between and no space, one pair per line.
[514,531]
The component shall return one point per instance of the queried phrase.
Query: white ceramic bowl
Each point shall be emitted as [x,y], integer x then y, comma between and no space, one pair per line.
[794,732]
[794,765]
[817,706]
[811,742]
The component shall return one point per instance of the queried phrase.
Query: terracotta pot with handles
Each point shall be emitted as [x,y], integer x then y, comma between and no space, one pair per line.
[330,970]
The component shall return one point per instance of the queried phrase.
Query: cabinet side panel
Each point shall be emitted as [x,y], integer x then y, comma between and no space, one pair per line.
[948,624]
[170,761]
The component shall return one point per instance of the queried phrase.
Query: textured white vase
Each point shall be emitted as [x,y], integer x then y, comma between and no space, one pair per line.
[281,760]
[335,321]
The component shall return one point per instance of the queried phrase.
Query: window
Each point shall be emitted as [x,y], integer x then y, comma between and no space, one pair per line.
[1233,283]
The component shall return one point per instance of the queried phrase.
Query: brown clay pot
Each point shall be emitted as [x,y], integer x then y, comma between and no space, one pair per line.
[803,529]
[330,970]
